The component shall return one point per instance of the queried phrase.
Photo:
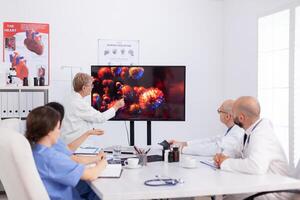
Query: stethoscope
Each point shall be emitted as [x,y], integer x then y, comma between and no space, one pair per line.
[163,181]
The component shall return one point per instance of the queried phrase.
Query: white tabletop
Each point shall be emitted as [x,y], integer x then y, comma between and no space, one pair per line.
[201,181]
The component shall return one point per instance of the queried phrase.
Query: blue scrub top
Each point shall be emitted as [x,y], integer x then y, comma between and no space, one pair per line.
[59,173]
[60,146]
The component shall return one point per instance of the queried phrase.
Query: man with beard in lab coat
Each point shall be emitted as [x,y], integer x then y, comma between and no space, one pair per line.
[261,151]
[228,143]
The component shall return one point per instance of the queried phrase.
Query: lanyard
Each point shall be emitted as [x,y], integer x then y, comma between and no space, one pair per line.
[247,139]
[228,130]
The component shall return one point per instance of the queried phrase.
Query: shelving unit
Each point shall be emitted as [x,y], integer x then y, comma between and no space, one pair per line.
[18,101]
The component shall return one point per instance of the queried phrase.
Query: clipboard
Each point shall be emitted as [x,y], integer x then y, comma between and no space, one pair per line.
[87,151]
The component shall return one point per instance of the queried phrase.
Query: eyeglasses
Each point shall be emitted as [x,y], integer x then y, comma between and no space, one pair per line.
[221,111]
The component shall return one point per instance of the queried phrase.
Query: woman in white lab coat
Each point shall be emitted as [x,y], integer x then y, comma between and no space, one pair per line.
[80,115]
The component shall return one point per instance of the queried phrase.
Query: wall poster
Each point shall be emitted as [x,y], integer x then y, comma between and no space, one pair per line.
[118,52]
[26,48]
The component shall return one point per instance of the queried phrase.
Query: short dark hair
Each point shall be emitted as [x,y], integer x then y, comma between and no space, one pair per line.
[40,122]
[59,108]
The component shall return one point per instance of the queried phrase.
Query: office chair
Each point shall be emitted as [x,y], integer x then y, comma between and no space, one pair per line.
[295,174]
[14,124]
[18,172]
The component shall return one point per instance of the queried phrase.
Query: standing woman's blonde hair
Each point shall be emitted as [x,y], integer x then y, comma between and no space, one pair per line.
[80,80]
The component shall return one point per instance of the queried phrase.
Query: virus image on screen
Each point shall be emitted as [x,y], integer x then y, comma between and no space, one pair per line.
[150,92]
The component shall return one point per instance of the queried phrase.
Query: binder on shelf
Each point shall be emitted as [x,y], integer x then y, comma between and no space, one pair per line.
[0,105]
[3,104]
[23,104]
[15,104]
[37,99]
[28,103]
[10,104]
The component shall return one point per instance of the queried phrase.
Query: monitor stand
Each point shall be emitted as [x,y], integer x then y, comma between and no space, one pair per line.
[132,133]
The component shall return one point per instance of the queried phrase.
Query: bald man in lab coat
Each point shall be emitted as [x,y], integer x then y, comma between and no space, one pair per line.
[261,152]
[228,142]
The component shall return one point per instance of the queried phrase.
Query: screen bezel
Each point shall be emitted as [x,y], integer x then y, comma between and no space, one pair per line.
[138,119]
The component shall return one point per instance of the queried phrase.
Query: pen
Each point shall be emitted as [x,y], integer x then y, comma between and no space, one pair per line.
[208,164]
[221,150]
[136,149]
[96,150]
[147,150]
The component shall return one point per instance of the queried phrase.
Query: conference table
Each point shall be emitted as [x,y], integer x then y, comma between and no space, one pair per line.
[200,181]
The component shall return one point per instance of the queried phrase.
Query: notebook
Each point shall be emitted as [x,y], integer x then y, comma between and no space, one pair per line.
[87,150]
[112,171]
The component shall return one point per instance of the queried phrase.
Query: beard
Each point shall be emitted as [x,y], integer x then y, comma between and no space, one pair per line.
[238,123]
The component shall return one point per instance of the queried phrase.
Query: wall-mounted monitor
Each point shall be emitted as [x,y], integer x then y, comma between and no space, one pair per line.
[151,93]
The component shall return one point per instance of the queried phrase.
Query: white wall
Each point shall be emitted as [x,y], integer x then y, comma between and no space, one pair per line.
[240,43]
[171,32]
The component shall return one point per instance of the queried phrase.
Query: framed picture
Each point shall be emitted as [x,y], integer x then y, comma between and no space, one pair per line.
[118,52]
[26,48]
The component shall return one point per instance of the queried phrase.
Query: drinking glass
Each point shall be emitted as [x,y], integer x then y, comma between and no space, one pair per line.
[117,152]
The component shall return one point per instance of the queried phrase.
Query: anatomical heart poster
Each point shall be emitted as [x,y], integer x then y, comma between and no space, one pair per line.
[26,48]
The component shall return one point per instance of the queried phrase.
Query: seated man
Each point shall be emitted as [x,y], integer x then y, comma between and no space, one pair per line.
[261,151]
[228,143]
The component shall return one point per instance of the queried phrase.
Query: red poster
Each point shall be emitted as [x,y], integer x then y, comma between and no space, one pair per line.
[26,48]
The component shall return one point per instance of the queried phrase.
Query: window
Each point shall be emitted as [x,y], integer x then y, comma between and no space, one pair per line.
[297,87]
[279,76]
[273,72]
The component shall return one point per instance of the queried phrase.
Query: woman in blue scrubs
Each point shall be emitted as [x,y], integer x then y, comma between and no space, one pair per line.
[82,187]
[59,173]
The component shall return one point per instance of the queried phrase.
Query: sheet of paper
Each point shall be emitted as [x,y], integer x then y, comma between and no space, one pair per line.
[112,171]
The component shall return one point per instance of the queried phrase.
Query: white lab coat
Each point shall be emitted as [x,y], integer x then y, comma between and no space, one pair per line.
[229,142]
[262,154]
[80,116]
